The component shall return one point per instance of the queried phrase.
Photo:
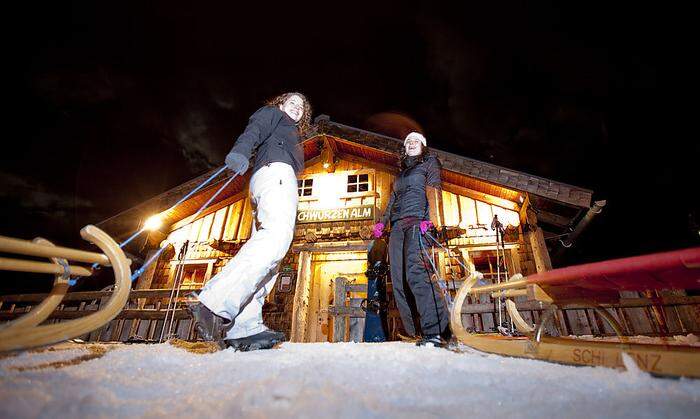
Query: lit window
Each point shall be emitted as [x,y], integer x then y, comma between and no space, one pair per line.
[194,274]
[305,186]
[358,183]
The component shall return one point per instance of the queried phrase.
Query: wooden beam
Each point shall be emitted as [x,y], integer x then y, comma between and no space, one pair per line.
[90,295]
[355,159]
[480,196]
[144,314]
[144,281]
[330,247]
[226,202]
[479,308]
[523,209]
[310,162]
[539,250]
[302,294]
[553,219]
[481,246]
[538,245]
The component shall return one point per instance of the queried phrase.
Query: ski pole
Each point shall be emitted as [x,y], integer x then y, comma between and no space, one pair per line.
[156,255]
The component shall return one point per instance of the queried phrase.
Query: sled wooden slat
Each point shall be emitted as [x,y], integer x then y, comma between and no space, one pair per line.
[15,338]
[593,290]
[41,312]
[28,248]
[17,265]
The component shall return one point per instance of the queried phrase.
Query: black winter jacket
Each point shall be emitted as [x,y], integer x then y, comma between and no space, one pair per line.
[408,199]
[273,136]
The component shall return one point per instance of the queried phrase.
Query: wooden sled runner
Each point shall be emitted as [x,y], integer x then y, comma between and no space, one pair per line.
[26,331]
[598,286]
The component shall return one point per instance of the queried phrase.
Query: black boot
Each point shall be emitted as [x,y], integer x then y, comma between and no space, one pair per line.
[263,340]
[211,327]
[432,340]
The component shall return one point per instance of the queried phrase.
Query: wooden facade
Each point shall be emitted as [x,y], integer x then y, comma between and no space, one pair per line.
[342,192]
[353,170]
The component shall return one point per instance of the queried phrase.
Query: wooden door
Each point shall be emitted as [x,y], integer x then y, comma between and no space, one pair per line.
[325,267]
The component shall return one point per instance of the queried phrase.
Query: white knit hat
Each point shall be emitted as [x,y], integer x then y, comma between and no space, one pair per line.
[416,136]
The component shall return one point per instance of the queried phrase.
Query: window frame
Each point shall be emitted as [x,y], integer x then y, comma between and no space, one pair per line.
[207,273]
[303,187]
[370,183]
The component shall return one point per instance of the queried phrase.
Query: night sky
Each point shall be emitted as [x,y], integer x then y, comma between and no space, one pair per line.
[111,104]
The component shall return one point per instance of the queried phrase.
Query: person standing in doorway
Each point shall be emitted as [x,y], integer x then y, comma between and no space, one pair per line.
[412,210]
[229,308]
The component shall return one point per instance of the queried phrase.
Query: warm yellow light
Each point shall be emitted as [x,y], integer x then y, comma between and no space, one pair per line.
[329,187]
[153,222]
[328,159]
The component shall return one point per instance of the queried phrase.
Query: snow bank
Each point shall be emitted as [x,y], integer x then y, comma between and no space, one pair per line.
[345,380]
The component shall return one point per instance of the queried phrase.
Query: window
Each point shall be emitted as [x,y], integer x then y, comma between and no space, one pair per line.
[358,183]
[194,274]
[190,274]
[305,186]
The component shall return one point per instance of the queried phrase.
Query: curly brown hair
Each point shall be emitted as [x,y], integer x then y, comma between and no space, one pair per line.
[304,124]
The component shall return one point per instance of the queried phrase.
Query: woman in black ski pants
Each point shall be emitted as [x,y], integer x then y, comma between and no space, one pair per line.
[412,210]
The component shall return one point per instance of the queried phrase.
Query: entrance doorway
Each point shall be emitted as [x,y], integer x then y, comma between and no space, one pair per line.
[325,267]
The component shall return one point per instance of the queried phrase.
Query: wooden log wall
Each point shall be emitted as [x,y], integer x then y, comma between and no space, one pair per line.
[141,320]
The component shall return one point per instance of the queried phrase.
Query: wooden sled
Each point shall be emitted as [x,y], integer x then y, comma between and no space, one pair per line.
[598,286]
[26,331]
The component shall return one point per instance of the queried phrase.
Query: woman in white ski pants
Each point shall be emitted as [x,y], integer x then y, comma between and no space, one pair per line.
[229,307]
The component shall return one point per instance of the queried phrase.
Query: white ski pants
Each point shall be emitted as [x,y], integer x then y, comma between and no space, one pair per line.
[238,291]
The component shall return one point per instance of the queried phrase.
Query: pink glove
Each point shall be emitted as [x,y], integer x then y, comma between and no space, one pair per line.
[425,226]
[378,229]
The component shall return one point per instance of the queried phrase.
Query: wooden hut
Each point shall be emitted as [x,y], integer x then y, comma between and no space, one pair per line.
[343,189]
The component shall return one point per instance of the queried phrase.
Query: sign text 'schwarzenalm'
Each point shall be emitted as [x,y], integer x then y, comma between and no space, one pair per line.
[365,212]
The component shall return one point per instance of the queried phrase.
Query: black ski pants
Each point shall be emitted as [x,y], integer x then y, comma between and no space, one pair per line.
[409,266]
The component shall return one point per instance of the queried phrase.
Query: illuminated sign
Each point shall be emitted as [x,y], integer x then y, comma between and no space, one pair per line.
[365,212]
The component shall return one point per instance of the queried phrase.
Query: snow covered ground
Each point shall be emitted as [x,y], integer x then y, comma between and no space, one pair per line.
[346,380]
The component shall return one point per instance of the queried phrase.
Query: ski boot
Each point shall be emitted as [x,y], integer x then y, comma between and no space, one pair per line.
[263,340]
[211,327]
[435,341]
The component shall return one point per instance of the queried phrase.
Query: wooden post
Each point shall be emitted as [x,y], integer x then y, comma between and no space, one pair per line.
[538,245]
[300,309]
[339,321]
[144,283]
[467,261]
[146,277]
[514,265]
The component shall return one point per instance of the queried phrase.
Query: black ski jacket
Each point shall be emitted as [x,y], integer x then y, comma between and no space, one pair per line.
[408,199]
[273,136]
